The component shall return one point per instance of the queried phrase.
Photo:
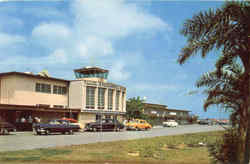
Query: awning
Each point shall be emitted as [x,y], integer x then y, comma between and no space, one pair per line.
[36,108]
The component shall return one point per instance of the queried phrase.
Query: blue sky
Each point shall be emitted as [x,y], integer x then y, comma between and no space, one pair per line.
[137,40]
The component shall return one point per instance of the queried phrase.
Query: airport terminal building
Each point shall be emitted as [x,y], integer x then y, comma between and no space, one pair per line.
[24,96]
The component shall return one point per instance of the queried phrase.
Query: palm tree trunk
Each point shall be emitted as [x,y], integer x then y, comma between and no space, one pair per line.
[247,113]
[242,139]
[247,145]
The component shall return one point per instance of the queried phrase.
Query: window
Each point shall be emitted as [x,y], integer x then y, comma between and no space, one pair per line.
[90,97]
[110,99]
[45,88]
[101,99]
[59,90]
[98,117]
[108,116]
[117,100]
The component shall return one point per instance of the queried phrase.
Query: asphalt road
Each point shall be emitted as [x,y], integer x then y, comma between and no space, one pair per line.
[27,140]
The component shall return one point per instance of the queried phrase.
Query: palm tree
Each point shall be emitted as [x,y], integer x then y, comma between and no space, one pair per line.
[224,88]
[226,29]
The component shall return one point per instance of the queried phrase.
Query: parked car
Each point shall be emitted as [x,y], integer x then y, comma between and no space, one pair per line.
[74,122]
[138,124]
[56,126]
[104,125]
[6,127]
[170,123]
[205,122]
[183,122]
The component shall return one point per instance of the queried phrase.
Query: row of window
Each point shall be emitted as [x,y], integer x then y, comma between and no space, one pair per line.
[46,88]
[90,98]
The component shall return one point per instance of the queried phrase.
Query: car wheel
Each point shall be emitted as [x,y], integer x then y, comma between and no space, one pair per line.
[38,133]
[117,129]
[47,132]
[71,131]
[5,131]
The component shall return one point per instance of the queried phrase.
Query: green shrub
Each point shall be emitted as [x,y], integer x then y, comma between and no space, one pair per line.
[224,149]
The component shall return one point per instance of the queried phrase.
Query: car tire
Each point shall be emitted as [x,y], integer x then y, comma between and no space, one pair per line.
[38,133]
[5,131]
[47,132]
[71,132]
[117,129]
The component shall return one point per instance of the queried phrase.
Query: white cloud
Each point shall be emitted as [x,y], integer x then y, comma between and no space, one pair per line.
[117,71]
[94,46]
[7,40]
[43,12]
[155,87]
[96,26]
[94,29]
[58,56]
[51,35]
[113,18]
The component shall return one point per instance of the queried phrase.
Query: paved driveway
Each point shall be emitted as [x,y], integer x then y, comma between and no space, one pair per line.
[27,140]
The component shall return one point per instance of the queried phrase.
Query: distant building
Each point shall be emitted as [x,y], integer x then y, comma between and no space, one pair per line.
[24,96]
[161,111]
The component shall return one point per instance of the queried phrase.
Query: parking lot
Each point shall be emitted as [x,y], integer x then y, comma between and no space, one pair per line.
[27,140]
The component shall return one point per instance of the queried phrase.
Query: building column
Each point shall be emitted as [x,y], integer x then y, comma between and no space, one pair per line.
[120,101]
[124,102]
[106,99]
[84,95]
[96,98]
[114,100]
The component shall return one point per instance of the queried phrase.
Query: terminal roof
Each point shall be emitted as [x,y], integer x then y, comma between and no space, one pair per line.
[90,70]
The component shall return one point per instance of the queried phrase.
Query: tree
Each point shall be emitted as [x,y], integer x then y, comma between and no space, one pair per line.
[134,108]
[225,89]
[226,29]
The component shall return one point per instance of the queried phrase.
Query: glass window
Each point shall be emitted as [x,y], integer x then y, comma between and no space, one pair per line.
[59,90]
[45,88]
[123,96]
[90,97]
[101,98]
[110,99]
[117,100]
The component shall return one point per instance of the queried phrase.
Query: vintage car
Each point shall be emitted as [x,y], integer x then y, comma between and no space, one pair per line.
[138,124]
[56,126]
[170,123]
[6,127]
[74,122]
[104,125]
[205,122]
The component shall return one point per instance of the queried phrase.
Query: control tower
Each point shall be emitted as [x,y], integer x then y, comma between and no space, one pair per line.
[92,74]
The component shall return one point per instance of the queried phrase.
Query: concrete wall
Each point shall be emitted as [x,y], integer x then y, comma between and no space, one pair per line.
[76,94]
[20,90]
[86,118]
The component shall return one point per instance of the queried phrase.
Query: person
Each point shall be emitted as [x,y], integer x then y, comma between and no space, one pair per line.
[23,120]
[30,120]
[37,120]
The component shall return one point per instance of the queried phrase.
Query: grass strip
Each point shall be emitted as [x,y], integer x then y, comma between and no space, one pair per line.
[179,149]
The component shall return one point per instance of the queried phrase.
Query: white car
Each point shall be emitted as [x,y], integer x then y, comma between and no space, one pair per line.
[170,123]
